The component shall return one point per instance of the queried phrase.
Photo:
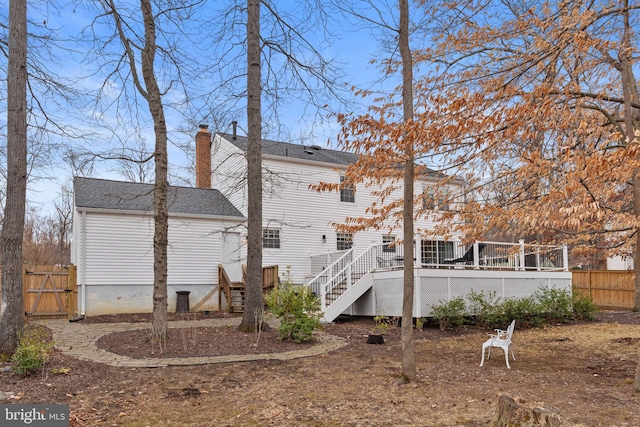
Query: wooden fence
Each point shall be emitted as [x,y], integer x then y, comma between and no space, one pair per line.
[609,289]
[49,291]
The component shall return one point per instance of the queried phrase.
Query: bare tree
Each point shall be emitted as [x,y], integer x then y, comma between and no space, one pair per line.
[408,354]
[64,216]
[11,317]
[253,291]
[136,163]
[393,156]
[140,56]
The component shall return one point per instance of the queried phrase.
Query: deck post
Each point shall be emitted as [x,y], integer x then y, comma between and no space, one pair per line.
[522,265]
[323,297]
[476,256]
[565,258]
[538,257]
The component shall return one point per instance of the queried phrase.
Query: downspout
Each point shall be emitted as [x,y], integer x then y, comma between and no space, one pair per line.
[82,258]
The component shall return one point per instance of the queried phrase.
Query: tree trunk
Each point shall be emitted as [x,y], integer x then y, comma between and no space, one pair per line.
[631,122]
[636,261]
[11,306]
[253,304]
[408,353]
[161,187]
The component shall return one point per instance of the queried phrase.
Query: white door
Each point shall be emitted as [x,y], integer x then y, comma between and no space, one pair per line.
[232,255]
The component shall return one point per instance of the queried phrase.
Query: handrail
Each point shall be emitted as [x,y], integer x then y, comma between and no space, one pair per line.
[315,284]
[224,283]
[349,274]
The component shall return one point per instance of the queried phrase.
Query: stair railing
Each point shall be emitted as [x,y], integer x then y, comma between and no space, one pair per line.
[224,284]
[316,284]
[342,271]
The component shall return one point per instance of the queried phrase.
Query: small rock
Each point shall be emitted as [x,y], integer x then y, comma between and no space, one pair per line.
[6,395]
[5,369]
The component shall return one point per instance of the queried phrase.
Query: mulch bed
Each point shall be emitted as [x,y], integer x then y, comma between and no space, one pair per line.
[197,341]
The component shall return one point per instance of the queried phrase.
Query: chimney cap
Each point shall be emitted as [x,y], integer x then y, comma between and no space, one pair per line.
[203,127]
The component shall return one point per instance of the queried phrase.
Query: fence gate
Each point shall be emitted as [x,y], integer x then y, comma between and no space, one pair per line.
[49,291]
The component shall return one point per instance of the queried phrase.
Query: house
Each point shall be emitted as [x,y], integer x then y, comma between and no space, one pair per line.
[112,244]
[298,234]
[358,273]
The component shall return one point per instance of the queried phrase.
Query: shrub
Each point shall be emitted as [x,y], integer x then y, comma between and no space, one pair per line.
[484,309]
[382,323]
[524,310]
[449,314]
[298,310]
[33,350]
[555,305]
[583,307]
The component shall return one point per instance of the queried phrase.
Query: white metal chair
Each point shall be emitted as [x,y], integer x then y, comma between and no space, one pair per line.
[500,339]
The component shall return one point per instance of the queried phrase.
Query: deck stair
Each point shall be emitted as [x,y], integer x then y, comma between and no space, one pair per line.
[234,292]
[236,303]
[343,282]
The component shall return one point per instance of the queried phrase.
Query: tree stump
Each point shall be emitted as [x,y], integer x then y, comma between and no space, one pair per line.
[523,414]
[375,339]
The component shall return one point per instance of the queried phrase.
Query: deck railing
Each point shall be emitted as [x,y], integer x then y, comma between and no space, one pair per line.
[319,262]
[342,274]
[317,283]
[346,270]
[518,256]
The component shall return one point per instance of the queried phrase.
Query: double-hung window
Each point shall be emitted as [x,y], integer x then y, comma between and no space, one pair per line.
[389,243]
[443,200]
[428,199]
[347,191]
[271,238]
[344,241]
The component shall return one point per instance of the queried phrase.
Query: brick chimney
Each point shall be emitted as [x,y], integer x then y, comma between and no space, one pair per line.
[203,158]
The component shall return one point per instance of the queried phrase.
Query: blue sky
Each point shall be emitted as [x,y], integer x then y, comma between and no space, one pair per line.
[351,48]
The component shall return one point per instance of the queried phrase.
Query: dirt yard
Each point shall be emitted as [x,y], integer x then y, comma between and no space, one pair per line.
[584,370]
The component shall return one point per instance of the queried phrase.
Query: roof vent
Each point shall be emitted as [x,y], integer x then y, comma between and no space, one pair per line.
[308,150]
[315,147]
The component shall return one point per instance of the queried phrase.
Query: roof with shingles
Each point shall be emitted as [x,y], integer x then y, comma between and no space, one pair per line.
[304,152]
[131,196]
[295,151]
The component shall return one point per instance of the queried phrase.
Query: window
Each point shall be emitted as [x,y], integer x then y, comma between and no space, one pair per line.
[443,200]
[347,191]
[344,241]
[428,200]
[389,243]
[271,238]
[436,251]
[429,196]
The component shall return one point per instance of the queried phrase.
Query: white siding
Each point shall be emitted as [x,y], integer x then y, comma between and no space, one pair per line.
[119,260]
[228,172]
[302,215]
[619,263]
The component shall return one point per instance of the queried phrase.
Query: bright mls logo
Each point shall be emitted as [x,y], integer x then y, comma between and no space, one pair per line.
[34,415]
